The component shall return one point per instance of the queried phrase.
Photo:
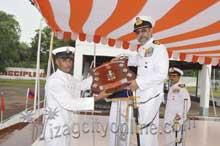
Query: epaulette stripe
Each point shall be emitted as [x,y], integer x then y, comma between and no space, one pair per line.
[156,42]
[181,85]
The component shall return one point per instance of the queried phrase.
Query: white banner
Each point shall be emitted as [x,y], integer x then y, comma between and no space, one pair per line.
[21,73]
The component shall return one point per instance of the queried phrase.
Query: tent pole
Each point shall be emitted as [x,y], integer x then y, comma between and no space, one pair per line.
[93,117]
[50,55]
[94,57]
[36,91]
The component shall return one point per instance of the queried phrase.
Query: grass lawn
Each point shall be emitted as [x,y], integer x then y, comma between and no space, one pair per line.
[216,93]
[15,92]
[8,82]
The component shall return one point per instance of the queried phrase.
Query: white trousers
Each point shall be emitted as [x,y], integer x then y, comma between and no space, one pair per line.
[148,113]
[117,131]
[149,135]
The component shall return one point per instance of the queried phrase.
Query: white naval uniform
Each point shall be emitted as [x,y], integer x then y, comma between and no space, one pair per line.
[175,105]
[114,128]
[62,92]
[151,73]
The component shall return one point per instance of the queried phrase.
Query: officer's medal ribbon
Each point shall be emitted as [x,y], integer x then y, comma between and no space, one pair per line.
[176,90]
[148,51]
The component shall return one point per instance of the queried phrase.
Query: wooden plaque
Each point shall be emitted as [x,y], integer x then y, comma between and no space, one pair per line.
[112,76]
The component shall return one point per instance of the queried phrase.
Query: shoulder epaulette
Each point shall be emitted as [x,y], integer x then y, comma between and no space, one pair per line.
[156,42]
[181,85]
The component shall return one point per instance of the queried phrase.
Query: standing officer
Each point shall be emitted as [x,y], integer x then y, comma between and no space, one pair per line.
[152,62]
[178,98]
[62,93]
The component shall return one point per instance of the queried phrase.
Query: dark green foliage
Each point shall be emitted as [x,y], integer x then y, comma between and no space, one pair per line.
[9,40]
[14,53]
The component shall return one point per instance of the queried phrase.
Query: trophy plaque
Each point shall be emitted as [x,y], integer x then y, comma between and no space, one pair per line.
[112,76]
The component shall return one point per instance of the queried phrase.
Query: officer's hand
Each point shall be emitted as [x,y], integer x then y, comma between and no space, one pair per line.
[133,85]
[102,95]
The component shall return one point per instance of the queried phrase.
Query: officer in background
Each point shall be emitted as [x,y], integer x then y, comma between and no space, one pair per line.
[62,94]
[178,100]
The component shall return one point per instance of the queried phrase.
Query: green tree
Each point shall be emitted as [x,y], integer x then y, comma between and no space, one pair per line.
[19,54]
[9,40]
[24,54]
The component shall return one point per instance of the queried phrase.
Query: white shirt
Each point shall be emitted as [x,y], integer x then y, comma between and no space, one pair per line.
[152,69]
[175,102]
[62,92]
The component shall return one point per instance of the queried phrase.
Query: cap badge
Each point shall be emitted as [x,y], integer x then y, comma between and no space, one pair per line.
[172,70]
[138,21]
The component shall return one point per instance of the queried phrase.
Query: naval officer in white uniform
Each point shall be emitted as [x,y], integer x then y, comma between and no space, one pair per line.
[62,94]
[153,63]
[178,100]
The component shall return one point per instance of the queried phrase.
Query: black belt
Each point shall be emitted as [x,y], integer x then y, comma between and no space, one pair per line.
[148,99]
[147,125]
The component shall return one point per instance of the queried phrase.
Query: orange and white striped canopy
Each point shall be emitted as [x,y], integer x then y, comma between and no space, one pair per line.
[190,29]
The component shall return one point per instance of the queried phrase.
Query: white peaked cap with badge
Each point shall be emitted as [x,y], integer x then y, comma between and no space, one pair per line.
[66,49]
[140,21]
[175,69]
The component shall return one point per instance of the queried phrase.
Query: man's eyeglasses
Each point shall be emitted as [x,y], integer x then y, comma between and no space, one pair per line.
[143,30]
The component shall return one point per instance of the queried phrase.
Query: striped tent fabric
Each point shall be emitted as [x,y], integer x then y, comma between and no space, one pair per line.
[190,29]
